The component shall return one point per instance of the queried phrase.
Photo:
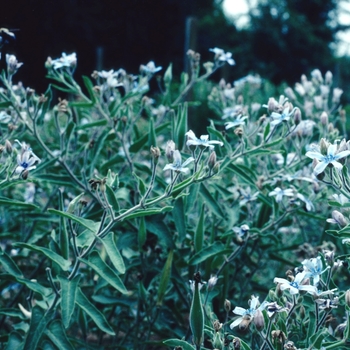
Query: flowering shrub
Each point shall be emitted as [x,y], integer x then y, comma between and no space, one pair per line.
[111,205]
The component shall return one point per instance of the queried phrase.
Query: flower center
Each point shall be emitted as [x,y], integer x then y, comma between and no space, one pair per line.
[24,165]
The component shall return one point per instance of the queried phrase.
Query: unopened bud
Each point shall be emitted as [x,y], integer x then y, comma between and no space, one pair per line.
[8,146]
[212,160]
[279,335]
[259,320]
[217,325]
[236,344]
[297,116]
[169,151]
[290,93]
[216,168]
[347,298]
[25,174]
[342,114]
[290,346]
[339,218]
[328,78]
[155,152]
[324,118]
[330,127]
[272,105]
[227,305]
[324,146]
[212,282]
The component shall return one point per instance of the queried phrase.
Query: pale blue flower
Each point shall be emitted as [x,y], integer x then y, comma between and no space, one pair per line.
[239,121]
[309,205]
[150,68]
[332,157]
[314,269]
[223,56]
[253,308]
[177,164]
[69,61]
[279,118]
[295,286]
[232,112]
[203,141]
[279,193]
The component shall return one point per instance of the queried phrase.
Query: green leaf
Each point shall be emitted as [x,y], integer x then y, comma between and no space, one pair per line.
[112,199]
[12,202]
[210,201]
[90,87]
[15,341]
[64,236]
[140,185]
[267,131]
[34,286]
[142,141]
[38,324]
[173,343]
[88,224]
[58,336]
[164,278]
[180,218]
[216,248]
[12,313]
[101,268]
[152,137]
[63,263]
[68,295]
[147,212]
[113,252]
[9,265]
[199,234]
[244,173]
[181,126]
[97,123]
[142,233]
[93,312]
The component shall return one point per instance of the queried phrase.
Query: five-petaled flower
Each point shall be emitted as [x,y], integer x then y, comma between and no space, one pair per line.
[296,285]
[177,164]
[202,142]
[26,159]
[253,308]
[238,121]
[69,61]
[150,68]
[278,118]
[314,269]
[279,193]
[223,56]
[332,158]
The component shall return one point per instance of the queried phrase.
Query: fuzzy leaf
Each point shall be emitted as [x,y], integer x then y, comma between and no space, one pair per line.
[9,265]
[93,312]
[58,336]
[164,278]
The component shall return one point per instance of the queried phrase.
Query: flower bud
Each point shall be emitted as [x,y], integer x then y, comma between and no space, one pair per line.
[297,116]
[227,305]
[155,152]
[259,320]
[271,105]
[290,346]
[168,75]
[244,325]
[212,160]
[212,282]
[324,118]
[336,95]
[8,147]
[169,151]
[347,298]
[290,93]
[236,344]
[25,174]
[339,218]
[324,146]
[328,78]
[239,132]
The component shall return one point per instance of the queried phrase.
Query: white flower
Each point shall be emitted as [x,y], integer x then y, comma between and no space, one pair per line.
[279,193]
[308,203]
[314,269]
[295,286]
[253,307]
[239,121]
[26,159]
[279,118]
[203,141]
[177,165]
[331,158]
[150,68]
[232,111]
[12,63]
[110,77]
[223,56]
[69,61]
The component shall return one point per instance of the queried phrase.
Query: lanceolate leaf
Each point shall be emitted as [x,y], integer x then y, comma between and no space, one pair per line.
[68,294]
[210,201]
[63,263]
[93,312]
[113,252]
[101,268]
[58,336]
[216,248]
[9,265]
[147,212]
[89,224]
[173,343]
[11,202]
[164,279]
[38,324]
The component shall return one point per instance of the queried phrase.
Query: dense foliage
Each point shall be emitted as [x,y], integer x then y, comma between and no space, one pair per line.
[123,229]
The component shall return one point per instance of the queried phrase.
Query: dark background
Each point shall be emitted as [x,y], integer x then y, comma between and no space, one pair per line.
[133,32]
